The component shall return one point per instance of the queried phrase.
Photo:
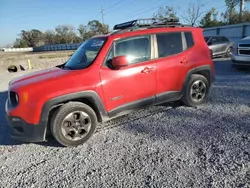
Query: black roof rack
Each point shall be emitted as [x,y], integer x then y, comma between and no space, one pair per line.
[149,23]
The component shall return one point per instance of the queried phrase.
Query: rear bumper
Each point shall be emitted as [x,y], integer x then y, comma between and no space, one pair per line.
[22,131]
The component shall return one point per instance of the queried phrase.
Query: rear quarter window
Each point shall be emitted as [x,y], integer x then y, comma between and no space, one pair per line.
[189,39]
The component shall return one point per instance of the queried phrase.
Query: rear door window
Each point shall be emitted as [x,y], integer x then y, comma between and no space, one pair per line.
[169,44]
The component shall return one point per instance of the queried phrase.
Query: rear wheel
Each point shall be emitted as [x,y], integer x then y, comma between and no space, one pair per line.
[73,124]
[196,90]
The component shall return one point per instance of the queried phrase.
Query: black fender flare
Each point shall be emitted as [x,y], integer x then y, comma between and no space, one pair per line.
[92,96]
[197,70]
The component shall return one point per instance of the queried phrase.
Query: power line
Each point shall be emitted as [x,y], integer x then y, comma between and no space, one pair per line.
[133,1]
[141,11]
[111,6]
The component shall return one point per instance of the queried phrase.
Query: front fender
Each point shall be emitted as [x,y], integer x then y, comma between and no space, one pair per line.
[92,96]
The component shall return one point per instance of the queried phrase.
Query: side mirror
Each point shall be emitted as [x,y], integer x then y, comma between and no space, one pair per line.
[119,61]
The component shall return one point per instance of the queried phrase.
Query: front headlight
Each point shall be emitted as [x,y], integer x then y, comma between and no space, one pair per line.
[16,97]
[13,98]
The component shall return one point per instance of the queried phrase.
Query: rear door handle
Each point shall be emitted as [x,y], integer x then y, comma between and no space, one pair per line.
[184,61]
[147,70]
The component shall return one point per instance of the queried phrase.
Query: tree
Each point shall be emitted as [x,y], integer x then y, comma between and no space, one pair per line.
[231,16]
[20,43]
[50,37]
[193,13]
[210,19]
[65,34]
[95,27]
[166,12]
[32,38]
[246,16]
[62,34]
[83,31]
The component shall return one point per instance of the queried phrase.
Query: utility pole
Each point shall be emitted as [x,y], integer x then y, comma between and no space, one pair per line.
[242,5]
[102,15]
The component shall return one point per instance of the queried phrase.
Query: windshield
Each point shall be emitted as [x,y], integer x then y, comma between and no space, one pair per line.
[85,54]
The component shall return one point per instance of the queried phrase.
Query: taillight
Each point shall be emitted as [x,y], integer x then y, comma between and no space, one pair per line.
[211,53]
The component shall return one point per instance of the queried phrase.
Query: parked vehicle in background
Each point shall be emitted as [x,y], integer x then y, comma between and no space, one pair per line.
[138,65]
[220,46]
[241,54]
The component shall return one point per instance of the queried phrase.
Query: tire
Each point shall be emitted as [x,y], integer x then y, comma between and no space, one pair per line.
[188,99]
[73,124]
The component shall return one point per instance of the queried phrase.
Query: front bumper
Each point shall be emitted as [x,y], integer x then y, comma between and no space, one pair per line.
[22,131]
[240,60]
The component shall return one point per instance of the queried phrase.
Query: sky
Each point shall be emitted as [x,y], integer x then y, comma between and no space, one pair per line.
[17,15]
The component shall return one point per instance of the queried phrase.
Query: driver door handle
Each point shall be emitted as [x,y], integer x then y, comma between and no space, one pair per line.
[147,70]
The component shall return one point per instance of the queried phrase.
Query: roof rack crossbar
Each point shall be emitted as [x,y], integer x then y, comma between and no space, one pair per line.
[147,22]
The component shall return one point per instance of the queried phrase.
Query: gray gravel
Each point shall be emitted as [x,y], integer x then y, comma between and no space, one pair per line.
[161,146]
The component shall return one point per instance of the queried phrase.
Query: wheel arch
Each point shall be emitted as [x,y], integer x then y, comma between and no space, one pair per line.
[91,98]
[205,71]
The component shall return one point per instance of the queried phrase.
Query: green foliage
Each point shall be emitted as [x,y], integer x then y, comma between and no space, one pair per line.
[210,19]
[196,17]
[32,38]
[63,34]
[166,12]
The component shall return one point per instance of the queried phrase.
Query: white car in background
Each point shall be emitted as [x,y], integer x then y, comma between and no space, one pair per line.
[241,54]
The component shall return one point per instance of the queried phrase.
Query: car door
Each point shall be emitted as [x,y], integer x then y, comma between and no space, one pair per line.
[225,44]
[172,64]
[221,45]
[214,45]
[132,86]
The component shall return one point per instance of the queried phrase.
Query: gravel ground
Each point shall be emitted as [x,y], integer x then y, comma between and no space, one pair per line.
[161,146]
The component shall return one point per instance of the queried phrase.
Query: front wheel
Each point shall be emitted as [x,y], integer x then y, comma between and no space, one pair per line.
[73,124]
[196,91]
[229,52]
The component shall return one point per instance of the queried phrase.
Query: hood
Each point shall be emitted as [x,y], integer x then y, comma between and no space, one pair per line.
[243,41]
[39,76]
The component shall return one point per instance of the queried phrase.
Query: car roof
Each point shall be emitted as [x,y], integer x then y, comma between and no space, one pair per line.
[149,31]
[147,26]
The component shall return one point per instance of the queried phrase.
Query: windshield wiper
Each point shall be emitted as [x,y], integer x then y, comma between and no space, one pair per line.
[66,67]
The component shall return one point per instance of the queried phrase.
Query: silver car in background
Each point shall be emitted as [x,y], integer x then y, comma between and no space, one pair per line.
[219,46]
[241,54]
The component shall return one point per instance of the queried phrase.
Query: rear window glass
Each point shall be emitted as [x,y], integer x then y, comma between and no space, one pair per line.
[189,39]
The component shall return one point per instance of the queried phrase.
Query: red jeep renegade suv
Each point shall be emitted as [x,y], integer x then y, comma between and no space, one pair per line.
[144,62]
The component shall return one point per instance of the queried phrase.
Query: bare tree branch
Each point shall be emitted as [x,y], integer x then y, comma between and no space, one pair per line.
[193,13]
